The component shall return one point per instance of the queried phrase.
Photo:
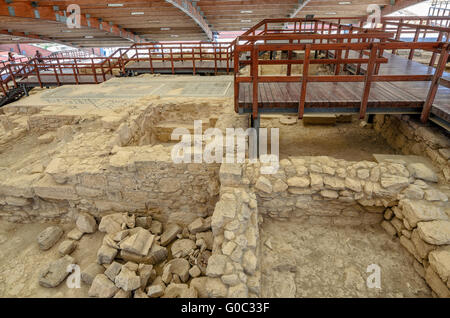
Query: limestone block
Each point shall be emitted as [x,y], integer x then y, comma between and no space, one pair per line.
[90,272]
[421,171]
[48,237]
[230,174]
[436,283]
[434,232]
[418,211]
[102,287]
[440,262]
[298,182]
[55,272]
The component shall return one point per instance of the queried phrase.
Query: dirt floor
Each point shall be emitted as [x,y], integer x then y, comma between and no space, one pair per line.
[346,141]
[308,260]
[21,260]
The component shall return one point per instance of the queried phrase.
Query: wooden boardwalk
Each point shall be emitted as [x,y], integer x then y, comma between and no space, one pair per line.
[66,79]
[345,97]
[179,67]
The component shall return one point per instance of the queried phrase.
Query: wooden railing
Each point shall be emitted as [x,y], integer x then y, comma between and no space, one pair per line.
[367,44]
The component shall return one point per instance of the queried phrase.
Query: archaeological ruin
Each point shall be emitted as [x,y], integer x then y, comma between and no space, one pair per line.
[304,153]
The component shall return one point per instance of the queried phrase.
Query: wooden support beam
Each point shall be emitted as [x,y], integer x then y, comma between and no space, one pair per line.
[27,10]
[190,10]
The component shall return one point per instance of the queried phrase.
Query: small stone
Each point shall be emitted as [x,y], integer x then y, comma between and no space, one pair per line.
[122,294]
[102,287]
[231,279]
[228,248]
[144,222]
[66,247]
[112,223]
[147,274]
[195,271]
[329,194]
[138,243]
[216,265]
[132,266]
[48,237]
[182,248]
[113,270]
[170,233]
[86,223]
[421,171]
[174,290]
[140,294]
[156,227]
[388,214]
[90,272]
[127,280]
[199,225]
[106,254]
[55,272]
[180,267]
[75,234]
[155,291]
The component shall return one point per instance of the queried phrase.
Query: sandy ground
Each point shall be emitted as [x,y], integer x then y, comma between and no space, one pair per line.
[327,261]
[343,141]
[21,260]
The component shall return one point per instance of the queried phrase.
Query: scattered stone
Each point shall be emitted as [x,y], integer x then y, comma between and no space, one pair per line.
[86,223]
[170,233]
[122,294]
[113,270]
[421,171]
[55,272]
[156,255]
[199,225]
[388,214]
[48,237]
[106,254]
[102,287]
[166,275]
[179,266]
[144,221]
[75,234]
[146,273]
[91,272]
[156,227]
[155,291]
[112,223]
[127,280]
[66,247]
[207,237]
[140,294]
[190,292]
[174,290]
[195,271]
[132,266]
[138,243]
[434,232]
[182,248]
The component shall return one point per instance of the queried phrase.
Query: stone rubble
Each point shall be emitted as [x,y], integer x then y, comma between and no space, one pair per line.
[48,237]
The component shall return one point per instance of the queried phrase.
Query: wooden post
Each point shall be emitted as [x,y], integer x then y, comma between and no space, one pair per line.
[171,61]
[289,57]
[56,74]
[254,67]
[75,74]
[398,34]
[236,71]
[193,61]
[435,83]
[37,74]
[416,38]
[301,105]
[433,57]
[368,81]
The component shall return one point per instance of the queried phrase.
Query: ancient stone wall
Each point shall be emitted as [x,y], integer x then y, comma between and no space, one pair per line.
[414,138]
[423,228]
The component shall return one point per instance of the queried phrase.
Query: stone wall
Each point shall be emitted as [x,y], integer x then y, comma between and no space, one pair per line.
[234,267]
[414,138]
[326,190]
[423,228]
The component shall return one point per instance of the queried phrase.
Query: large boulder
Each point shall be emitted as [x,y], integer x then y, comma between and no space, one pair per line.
[48,237]
[421,171]
[182,248]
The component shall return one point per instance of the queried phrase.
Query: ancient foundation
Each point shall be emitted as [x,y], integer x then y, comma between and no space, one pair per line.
[98,168]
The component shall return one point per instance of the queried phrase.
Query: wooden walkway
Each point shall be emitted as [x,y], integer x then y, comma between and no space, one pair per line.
[179,67]
[66,79]
[345,97]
